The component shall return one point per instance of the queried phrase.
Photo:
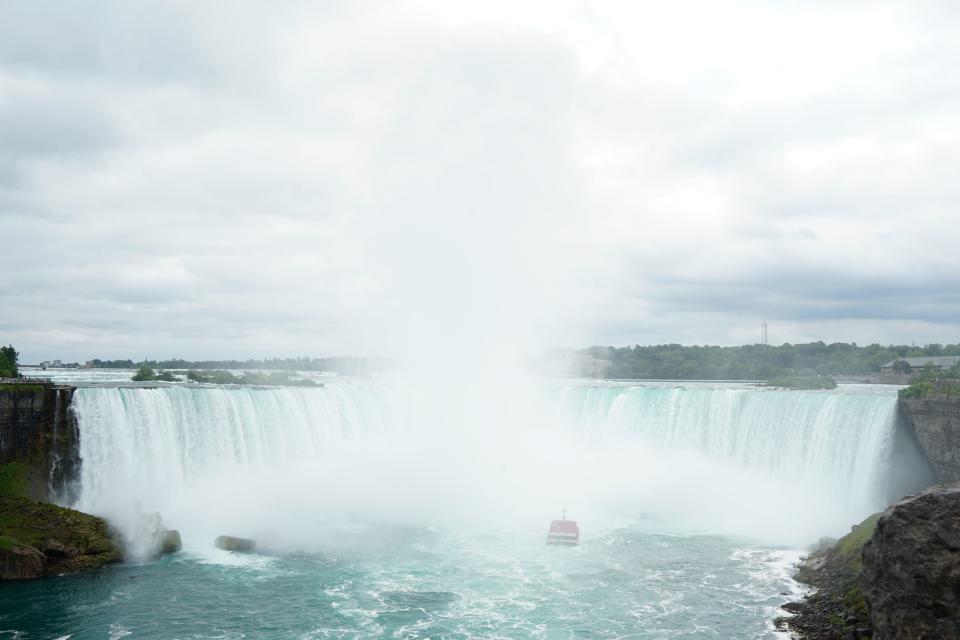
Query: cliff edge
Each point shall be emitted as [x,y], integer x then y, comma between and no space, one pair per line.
[40,462]
[932,411]
[895,576]
[38,432]
[911,568]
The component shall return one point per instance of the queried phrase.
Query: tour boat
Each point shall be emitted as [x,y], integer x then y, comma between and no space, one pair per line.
[564,532]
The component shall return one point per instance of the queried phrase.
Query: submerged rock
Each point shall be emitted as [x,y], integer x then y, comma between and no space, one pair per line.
[152,539]
[171,542]
[230,543]
[911,568]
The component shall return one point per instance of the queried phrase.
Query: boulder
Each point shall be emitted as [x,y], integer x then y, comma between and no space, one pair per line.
[230,543]
[911,568]
[171,541]
[19,561]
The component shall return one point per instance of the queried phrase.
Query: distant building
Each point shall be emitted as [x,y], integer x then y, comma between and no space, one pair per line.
[574,364]
[897,372]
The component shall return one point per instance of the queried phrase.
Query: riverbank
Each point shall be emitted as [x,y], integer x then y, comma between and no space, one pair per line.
[892,577]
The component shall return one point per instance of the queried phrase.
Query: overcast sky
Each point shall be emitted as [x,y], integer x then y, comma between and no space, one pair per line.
[248,179]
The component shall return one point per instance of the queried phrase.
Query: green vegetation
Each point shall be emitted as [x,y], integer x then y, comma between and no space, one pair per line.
[931,380]
[17,387]
[850,546]
[803,382]
[749,362]
[8,362]
[13,479]
[275,378]
[922,388]
[41,525]
[838,608]
[144,374]
[147,374]
[341,365]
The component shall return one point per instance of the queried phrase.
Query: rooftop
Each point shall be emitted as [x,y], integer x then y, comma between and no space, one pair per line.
[920,362]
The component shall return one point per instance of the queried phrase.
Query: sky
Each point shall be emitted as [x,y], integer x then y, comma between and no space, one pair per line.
[219,180]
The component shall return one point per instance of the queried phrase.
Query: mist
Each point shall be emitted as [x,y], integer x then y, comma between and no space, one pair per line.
[323,470]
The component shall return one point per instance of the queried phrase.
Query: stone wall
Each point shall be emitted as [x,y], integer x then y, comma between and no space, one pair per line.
[39,437]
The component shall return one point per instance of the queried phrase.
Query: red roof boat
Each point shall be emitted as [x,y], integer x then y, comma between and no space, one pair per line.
[564,532]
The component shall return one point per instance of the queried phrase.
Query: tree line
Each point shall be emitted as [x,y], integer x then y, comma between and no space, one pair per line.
[345,365]
[755,362]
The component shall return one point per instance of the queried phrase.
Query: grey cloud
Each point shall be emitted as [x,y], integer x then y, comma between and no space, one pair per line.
[139,41]
[195,179]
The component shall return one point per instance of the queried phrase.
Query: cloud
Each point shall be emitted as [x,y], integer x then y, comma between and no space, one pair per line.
[196,180]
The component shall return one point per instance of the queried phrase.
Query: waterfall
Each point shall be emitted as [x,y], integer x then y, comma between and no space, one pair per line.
[174,434]
[245,456]
[841,442]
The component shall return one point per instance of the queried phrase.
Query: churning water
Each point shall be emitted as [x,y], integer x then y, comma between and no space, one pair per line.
[419,511]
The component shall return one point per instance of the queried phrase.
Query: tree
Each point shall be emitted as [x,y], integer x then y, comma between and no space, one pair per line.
[8,362]
[144,374]
[902,367]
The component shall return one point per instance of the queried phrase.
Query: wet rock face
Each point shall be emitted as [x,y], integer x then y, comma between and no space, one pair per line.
[38,431]
[911,568]
[935,421]
[19,561]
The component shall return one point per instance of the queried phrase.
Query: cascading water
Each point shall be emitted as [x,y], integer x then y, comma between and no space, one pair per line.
[419,510]
[728,454]
[838,442]
[173,435]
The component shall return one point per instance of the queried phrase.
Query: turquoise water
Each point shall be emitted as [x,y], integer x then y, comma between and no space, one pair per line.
[628,583]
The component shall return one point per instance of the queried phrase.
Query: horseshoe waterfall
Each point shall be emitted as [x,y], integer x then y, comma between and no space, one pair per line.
[420,510]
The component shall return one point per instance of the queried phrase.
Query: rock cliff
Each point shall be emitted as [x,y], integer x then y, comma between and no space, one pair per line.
[934,419]
[911,568]
[39,462]
[38,432]
[895,576]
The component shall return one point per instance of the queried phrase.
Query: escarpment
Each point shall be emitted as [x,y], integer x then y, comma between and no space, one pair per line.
[932,412]
[39,441]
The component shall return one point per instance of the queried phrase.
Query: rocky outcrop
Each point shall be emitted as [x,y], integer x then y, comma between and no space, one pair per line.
[911,568]
[230,543]
[836,610]
[38,539]
[38,432]
[19,561]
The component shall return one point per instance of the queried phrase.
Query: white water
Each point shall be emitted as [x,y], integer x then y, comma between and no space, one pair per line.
[303,466]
